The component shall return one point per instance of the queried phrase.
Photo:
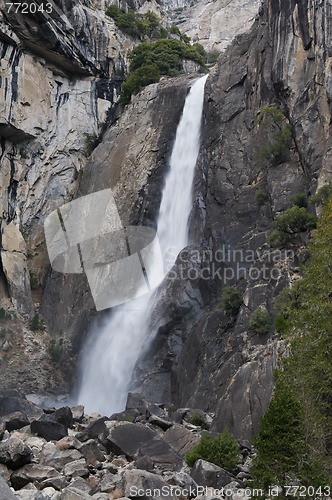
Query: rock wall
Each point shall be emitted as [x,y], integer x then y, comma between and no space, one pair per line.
[215,24]
[60,75]
[284,61]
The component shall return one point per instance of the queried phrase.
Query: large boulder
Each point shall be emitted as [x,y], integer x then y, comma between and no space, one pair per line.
[12,401]
[5,491]
[137,481]
[78,468]
[14,453]
[137,440]
[48,429]
[52,456]
[95,428]
[181,439]
[127,439]
[31,473]
[15,420]
[207,474]
[91,452]
[162,455]
[63,416]
[72,493]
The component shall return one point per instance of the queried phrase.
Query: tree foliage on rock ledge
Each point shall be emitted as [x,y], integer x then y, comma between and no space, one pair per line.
[305,317]
[221,450]
[292,221]
[142,26]
[277,150]
[150,60]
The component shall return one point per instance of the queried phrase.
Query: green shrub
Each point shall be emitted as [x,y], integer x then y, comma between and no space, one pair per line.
[261,197]
[198,420]
[128,418]
[300,200]
[278,239]
[231,300]
[277,151]
[174,30]
[4,315]
[295,220]
[323,194]
[137,80]
[91,141]
[260,321]
[212,56]
[280,440]
[280,323]
[54,350]
[23,153]
[34,281]
[221,450]
[150,60]
[36,323]
[143,26]
[137,25]
[270,114]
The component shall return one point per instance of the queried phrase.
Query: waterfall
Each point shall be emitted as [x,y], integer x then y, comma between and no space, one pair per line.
[110,356]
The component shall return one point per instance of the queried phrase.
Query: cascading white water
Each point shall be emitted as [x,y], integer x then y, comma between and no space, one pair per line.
[111,354]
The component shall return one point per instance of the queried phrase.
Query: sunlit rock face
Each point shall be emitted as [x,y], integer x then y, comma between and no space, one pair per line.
[59,79]
[213,24]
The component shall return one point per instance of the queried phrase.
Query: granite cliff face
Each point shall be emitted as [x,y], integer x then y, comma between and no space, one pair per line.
[215,24]
[219,364]
[59,78]
[60,81]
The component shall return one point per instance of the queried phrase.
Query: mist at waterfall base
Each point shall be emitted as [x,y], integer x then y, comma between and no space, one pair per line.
[110,355]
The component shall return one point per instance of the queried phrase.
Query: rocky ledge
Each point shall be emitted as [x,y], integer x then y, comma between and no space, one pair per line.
[63,454]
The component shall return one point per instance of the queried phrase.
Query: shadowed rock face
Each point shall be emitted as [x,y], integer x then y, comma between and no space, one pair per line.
[219,364]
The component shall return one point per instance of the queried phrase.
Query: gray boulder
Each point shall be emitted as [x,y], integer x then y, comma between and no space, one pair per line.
[77,412]
[181,439]
[78,468]
[127,439]
[5,491]
[95,428]
[14,453]
[81,484]
[137,440]
[12,401]
[72,493]
[48,429]
[15,420]
[207,474]
[163,423]
[51,455]
[135,480]
[62,415]
[91,452]
[31,473]
[162,455]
